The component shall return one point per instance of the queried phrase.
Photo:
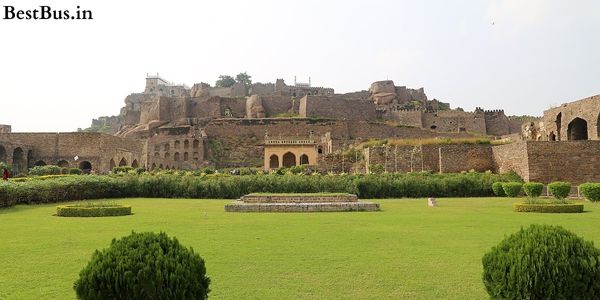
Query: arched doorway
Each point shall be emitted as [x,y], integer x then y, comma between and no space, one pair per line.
[552,136]
[85,166]
[2,154]
[39,163]
[19,161]
[135,164]
[63,163]
[273,162]
[577,130]
[558,125]
[167,155]
[161,166]
[289,160]
[304,159]
[123,162]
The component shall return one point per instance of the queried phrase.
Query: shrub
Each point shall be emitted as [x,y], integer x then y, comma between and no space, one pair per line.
[93,210]
[591,191]
[144,266]
[74,171]
[512,189]
[548,207]
[542,262]
[123,169]
[533,189]
[45,170]
[498,190]
[560,190]
[376,169]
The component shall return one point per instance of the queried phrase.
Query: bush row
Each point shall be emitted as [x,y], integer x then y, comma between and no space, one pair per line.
[549,208]
[559,190]
[92,211]
[52,170]
[231,187]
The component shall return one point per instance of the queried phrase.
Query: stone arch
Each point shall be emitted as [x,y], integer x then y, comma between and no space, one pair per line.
[112,164]
[558,125]
[289,160]
[196,144]
[186,144]
[153,166]
[167,147]
[273,162]
[186,156]
[63,163]
[304,159]
[19,161]
[39,163]
[577,130]
[156,148]
[135,164]
[123,162]
[177,144]
[2,154]
[552,136]
[85,166]
[167,155]
[176,156]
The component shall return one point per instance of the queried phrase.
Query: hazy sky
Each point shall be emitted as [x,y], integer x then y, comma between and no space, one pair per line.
[520,55]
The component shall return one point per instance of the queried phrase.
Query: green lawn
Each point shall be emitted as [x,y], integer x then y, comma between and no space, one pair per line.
[406,251]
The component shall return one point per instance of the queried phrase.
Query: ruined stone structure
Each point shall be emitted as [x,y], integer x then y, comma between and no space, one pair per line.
[176,127]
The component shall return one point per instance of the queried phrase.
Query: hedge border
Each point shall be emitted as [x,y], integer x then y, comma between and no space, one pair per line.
[549,208]
[96,211]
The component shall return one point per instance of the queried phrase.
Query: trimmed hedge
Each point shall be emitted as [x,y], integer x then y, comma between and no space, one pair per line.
[498,190]
[559,190]
[590,191]
[512,189]
[542,262]
[144,266]
[533,189]
[224,186]
[549,208]
[109,210]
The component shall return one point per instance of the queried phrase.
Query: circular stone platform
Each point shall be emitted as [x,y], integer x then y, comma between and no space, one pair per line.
[317,202]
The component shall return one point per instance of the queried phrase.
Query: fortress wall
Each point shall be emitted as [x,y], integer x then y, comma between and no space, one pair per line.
[587,109]
[458,158]
[511,157]
[454,122]
[497,123]
[205,107]
[237,106]
[573,161]
[337,108]
[262,88]
[275,105]
[412,118]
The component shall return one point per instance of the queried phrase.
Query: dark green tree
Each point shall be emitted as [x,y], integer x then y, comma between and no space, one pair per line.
[225,81]
[244,78]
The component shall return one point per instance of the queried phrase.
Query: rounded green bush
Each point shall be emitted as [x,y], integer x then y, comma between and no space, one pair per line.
[144,266]
[542,262]
[497,189]
[590,191]
[533,189]
[560,190]
[512,189]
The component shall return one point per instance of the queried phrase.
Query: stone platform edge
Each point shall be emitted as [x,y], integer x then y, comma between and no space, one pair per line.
[301,207]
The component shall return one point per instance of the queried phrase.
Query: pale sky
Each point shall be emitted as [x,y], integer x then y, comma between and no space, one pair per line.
[520,55]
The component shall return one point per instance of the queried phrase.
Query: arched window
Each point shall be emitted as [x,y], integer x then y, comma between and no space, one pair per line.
[112,164]
[167,155]
[167,147]
[196,156]
[196,144]
[156,154]
[289,160]
[273,162]
[186,144]
[177,143]
[39,163]
[577,130]
[135,164]
[186,156]
[176,156]
[123,162]
[304,159]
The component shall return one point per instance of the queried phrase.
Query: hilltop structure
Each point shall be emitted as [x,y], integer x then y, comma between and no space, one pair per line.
[277,125]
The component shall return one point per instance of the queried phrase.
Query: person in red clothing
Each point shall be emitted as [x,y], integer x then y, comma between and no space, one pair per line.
[5,175]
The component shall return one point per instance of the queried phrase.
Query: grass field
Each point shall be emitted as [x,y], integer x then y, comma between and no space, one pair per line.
[406,251]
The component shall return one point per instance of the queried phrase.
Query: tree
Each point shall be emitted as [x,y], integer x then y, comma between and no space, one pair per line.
[244,78]
[225,81]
